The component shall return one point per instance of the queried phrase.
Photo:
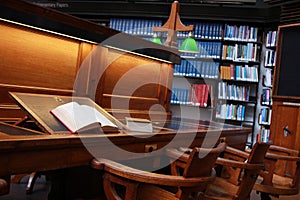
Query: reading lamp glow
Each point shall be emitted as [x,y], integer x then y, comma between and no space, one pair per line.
[174,25]
[156,39]
[189,45]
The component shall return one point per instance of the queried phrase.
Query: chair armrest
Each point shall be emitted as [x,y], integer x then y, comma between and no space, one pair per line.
[176,154]
[147,177]
[237,152]
[238,164]
[283,149]
[274,156]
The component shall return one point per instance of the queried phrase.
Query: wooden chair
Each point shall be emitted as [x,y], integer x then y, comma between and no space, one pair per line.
[281,174]
[197,173]
[239,172]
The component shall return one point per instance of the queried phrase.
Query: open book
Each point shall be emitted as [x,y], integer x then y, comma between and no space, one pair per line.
[83,118]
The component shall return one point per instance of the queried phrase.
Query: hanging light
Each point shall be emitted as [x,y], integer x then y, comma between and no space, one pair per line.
[156,39]
[189,45]
[174,25]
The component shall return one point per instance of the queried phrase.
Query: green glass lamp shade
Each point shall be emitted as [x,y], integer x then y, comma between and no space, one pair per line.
[156,39]
[189,45]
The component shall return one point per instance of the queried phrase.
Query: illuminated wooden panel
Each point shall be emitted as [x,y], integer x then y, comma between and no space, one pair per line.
[32,58]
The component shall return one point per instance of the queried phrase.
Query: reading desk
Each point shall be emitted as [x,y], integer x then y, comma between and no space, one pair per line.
[26,150]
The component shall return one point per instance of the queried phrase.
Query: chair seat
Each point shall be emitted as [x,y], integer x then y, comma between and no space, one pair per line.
[280,186]
[221,190]
[273,181]
[147,191]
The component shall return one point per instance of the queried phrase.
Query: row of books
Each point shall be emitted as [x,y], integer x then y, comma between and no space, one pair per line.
[263,135]
[240,33]
[240,52]
[197,68]
[233,92]
[270,57]
[135,26]
[231,112]
[271,39]
[266,97]
[208,30]
[239,73]
[264,117]
[197,95]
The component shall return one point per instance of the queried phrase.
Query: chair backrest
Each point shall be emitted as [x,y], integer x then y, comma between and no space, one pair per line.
[249,176]
[202,160]
[289,167]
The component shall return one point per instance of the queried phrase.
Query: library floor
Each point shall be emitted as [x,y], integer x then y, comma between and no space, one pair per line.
[41,188]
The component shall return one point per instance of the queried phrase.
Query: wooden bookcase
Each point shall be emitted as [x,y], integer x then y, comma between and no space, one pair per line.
[264,108]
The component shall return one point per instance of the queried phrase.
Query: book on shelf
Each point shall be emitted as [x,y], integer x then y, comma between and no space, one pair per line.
[78,118]
[271,39]
[263,135]
[265,116]
[268,77]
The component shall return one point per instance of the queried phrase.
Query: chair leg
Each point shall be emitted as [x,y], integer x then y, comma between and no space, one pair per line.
[32,178]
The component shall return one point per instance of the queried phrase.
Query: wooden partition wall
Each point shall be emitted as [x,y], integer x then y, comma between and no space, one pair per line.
[39,62]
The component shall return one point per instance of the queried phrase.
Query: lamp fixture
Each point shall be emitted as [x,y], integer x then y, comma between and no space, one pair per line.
[156,39]
[172,26]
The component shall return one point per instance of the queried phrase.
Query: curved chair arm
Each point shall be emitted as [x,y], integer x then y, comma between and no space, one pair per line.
[237,152]
[4,187]
[283,149]
[178,154]
[148,177]
[282,157]
[238,164]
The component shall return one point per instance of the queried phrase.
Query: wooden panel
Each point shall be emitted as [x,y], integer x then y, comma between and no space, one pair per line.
[286,113]
[132,75]
[123,81]
[282,116]
[35,58]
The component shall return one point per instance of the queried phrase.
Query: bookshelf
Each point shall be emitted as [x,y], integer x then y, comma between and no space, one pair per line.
[239,75]
[264,108]
[220,82]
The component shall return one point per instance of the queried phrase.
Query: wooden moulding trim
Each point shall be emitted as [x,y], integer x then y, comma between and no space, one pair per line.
[9,106]
[129,97]
[31,88]
[286,98]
